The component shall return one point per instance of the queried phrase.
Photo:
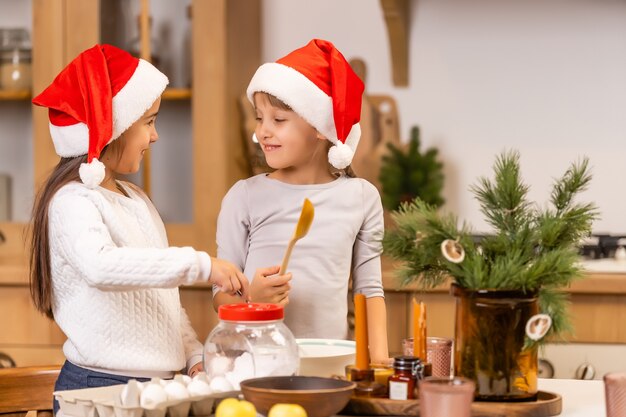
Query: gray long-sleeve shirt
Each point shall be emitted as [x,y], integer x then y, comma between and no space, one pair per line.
[257,219]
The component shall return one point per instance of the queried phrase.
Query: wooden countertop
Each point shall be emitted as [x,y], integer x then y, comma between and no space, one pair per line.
[594,282]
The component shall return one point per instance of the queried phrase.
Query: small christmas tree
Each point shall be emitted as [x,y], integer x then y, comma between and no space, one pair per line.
[405,175]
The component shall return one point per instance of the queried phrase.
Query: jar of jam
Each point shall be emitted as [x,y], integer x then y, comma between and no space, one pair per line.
[407,371]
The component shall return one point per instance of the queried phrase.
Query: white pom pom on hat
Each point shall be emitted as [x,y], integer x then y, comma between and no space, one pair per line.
[340,155]
[92,174]
[319,85]
[100,94]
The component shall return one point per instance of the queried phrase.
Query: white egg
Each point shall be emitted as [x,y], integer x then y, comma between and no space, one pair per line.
[152,395]
[219,365]
[234,380]
[176,391]
[202,376]
[198,387]
[183,379]
[131,393]
[220,384]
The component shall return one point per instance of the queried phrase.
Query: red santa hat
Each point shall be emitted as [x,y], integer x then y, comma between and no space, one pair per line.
[93,100]
[319,85]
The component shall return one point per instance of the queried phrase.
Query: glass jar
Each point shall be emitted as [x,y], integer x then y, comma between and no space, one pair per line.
[491,346]
[250,341]
[15,60]
[407,371]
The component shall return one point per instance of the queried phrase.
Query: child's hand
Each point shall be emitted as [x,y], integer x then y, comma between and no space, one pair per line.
[195,369]
[267,287]
[228,278]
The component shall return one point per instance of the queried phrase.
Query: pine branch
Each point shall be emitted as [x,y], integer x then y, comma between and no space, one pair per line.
[575,180]
[555,303]
[530,250]
[503,202]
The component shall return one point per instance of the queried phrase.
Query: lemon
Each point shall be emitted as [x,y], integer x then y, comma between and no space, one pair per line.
[247,409]
[232,407]
[287,410]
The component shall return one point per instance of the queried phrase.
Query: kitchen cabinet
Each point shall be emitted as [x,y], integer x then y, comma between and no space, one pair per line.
[598,302]
[225,50]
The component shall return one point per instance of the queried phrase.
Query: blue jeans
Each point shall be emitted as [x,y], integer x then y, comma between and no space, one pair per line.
[75,377]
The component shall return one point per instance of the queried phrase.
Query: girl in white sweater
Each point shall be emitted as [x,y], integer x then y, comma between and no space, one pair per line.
[101,266]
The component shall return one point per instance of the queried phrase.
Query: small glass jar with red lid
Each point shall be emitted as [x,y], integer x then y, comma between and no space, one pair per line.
[249,341]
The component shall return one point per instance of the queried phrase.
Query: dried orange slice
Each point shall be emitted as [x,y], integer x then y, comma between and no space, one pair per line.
[537,326]
[452,251]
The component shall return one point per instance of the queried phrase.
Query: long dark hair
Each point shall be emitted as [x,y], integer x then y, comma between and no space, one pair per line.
[279,104]
[63,173]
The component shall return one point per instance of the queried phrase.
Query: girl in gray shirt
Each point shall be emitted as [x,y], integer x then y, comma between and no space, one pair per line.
[308,106]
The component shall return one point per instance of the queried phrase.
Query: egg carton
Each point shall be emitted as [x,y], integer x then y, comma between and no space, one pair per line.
[105,402]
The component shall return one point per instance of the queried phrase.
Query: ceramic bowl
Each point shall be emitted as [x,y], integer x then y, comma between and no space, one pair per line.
[325,357]
[320,397]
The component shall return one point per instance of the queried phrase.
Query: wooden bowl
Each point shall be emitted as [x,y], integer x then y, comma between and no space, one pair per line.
[320,397]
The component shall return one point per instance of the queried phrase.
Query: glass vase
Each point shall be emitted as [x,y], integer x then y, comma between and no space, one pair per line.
[491,346]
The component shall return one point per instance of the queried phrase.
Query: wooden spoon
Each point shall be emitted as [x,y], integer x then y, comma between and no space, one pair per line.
[302,228]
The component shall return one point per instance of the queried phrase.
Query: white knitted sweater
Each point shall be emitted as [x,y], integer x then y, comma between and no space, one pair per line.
[115,282]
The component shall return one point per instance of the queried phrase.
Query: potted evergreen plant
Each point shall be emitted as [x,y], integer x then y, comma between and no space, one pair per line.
[407,173]
[509,285]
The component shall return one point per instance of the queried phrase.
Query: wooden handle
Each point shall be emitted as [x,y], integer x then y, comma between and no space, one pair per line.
[283,267]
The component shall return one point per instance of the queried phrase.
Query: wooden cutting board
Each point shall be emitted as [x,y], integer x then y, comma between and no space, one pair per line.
[547,404]
[379,126]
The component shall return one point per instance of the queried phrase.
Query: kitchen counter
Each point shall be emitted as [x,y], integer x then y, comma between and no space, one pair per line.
[580,398]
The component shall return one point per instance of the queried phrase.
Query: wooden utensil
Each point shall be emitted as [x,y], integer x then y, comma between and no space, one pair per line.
[302,228]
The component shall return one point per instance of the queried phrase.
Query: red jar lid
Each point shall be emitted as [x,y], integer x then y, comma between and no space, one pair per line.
[251,312]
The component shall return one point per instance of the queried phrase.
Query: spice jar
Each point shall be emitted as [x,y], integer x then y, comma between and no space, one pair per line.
[250,341]
[15,60]
[407,371]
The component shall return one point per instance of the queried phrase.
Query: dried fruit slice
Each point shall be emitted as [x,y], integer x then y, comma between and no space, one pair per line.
[538,325]
[452,251]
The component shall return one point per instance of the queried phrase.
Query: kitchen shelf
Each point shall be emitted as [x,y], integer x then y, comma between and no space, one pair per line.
[177,94]
[226,54]
[18,95]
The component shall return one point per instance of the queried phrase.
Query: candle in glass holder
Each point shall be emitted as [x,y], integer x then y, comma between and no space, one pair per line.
[615,394]
[446,397]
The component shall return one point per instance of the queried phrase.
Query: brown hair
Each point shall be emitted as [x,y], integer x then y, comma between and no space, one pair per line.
[279,104]
[275,101]
[66,171]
